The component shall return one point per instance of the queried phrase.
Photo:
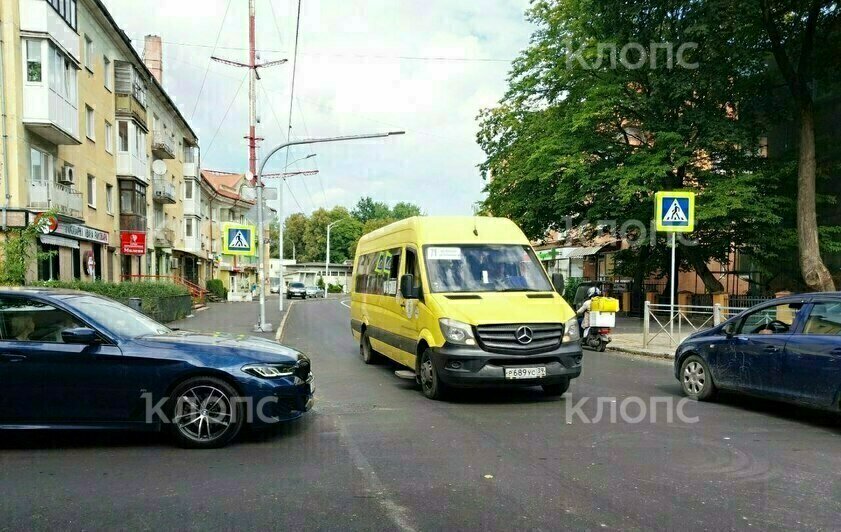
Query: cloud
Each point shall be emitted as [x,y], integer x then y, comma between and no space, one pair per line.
[359,70]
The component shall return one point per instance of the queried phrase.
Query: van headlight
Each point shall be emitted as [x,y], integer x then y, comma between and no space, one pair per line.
[571,332]
[457,332]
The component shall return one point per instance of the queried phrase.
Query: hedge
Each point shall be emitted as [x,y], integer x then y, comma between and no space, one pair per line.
[217,288]
[163,302]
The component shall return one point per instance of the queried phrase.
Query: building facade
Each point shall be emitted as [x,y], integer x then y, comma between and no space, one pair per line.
[86,126]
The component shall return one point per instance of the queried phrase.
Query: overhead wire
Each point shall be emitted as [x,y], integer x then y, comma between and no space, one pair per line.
[209,60]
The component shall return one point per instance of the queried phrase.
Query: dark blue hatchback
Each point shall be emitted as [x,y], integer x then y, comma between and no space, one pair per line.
[787,349]
[75,360]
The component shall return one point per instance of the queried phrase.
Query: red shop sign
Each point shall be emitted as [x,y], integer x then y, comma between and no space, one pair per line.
[132,243]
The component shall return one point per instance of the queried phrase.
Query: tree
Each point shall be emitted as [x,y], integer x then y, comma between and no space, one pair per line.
[19,250]
[368,209]
[341,235]
[404,209]
[293,237]
[796,32]
[580,137]
[368,227]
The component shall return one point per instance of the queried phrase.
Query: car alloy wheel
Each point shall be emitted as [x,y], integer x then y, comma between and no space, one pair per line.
[205,413]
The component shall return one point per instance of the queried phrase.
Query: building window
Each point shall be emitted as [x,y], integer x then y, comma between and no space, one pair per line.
[109,137]
[122,134]
[107,72]
[188,228]
[39,165]
[132,198]
[88,53]
[33,61]
[91,191]
[109,199]
[90,123]
[66,9]
[62,75]
[188,189]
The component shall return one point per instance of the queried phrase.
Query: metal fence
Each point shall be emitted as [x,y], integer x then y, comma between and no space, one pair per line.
[687,319]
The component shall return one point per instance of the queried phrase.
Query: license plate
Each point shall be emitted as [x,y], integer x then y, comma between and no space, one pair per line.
[525,373]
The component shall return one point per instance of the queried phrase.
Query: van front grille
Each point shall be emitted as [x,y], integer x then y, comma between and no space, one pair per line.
[502,338]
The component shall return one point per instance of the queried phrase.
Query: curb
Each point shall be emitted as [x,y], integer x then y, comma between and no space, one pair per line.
[641,352]
[282,325]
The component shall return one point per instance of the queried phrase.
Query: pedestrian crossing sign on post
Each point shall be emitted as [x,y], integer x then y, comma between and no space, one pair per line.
[238,239]
[675,211]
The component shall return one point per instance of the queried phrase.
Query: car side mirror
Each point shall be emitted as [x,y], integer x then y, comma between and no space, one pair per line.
[729,329]
[558,282]
[407,286]
[79,335]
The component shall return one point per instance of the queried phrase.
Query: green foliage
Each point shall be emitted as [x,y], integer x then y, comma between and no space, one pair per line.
[320,282]
[335,289]
[368,209]
[570,287]
[18,249]
[217,288]
[593,140]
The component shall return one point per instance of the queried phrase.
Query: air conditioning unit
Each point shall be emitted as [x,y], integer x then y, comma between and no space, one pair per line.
[174,263]
[68,175]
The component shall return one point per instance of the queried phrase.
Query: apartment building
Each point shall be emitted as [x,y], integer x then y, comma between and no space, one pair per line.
[90,133]
[223,201]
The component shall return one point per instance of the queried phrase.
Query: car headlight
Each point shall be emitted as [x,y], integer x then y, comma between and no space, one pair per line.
[270,371]
[571,332]
[457,332]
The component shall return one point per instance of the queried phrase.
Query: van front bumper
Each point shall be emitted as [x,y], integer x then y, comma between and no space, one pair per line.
[467,366]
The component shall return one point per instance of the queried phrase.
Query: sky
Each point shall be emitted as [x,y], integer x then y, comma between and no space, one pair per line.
[364,66]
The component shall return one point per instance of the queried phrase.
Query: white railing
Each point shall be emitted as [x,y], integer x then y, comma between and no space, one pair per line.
[51,195]
[687,319]
[162,141]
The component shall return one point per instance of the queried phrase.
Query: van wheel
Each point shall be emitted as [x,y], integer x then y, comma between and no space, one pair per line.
[369,356]
[430,382]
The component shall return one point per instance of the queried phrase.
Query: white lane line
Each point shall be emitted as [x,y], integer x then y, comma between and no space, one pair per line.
[345,302]
[280,329]
[398,514]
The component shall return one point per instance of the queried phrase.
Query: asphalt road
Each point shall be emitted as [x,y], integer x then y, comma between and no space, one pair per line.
[374,454]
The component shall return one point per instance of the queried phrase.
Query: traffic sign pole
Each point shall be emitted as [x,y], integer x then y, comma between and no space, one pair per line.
[672,299]
[675,213]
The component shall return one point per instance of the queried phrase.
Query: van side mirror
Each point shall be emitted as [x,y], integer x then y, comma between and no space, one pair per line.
[558,282]
[407,287]
[79,335]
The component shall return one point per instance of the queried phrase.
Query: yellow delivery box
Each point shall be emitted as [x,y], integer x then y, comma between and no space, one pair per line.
[604,304]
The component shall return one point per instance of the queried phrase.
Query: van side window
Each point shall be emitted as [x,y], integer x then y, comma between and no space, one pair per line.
[377,273]
[413,268]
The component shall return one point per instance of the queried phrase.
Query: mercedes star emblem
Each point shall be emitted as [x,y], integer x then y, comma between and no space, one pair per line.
[524,335]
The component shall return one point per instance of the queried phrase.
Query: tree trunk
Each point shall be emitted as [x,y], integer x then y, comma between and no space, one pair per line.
[712,284]
[815,273]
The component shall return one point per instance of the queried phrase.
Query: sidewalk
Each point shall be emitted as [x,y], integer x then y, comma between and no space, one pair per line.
[234,318]
[627,338]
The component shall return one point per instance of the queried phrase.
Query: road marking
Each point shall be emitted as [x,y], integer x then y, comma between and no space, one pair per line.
[397,513]
[345,302]
[280,329]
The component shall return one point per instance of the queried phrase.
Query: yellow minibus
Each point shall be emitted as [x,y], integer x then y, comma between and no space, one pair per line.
[462,302]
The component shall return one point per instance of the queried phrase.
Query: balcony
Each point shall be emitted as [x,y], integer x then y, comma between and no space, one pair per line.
[191,170]
[192,244]
[164,238]
[37,16]
[128,106]
[49,115]
[45,195]
[192,207]
[163,147]
[132,222]
[130,166]
[163,191]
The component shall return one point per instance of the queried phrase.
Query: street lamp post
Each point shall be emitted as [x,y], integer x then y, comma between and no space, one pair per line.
[262,325]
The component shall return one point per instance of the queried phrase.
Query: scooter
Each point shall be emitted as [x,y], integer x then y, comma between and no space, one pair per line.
[597,338]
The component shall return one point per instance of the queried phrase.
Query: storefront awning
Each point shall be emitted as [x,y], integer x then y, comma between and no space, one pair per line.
[578,253]
[53,240]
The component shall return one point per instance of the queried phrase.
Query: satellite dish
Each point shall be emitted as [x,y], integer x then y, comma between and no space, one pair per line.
[159,167]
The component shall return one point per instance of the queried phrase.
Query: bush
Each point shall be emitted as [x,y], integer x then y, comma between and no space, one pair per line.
[217,288]
[161,301]
[335,289]
[570,287]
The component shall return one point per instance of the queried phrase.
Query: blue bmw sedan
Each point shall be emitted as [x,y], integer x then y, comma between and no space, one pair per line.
[75,360]
[787,349]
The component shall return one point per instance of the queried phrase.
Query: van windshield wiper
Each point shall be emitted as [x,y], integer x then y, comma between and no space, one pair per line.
[520,290]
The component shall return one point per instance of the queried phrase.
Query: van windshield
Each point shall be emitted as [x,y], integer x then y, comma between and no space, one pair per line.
[484,268]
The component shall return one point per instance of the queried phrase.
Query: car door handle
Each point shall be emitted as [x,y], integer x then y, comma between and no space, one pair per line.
[8,357]
[772,348]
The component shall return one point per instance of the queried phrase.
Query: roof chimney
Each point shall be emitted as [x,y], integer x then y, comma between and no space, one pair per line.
[153,56]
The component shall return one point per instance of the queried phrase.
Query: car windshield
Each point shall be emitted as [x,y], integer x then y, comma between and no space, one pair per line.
[485,268]
[297,285]
[117,318]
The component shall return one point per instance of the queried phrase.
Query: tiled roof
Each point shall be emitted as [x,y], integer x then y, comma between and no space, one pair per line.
[225,184]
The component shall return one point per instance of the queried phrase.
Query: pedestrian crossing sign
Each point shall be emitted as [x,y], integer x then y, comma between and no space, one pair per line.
[238,239]
[675,211]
